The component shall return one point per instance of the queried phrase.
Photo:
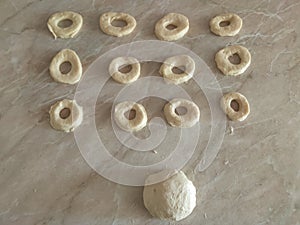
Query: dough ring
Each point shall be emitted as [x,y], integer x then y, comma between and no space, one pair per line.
[74,75]
[67,32]
[243,110]
[179,21]
[135,124]
[189,119]
[177,61]
[228,68]
[106,26]
[125,78]
[67,122]
[233,24]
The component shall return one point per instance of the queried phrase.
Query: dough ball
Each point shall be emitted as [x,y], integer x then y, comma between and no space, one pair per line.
[173,198]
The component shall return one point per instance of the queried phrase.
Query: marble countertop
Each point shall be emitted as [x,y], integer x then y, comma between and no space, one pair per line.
[254,178]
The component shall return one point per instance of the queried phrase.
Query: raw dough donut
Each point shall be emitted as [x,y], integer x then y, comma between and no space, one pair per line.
[177,61]
[72,120]
[234,24]
[180,22]
[173,199]
[243,110]
[135,124]
[107,18]
[228,68]
[72,77]
[67,32]
[125,78]
[189,119]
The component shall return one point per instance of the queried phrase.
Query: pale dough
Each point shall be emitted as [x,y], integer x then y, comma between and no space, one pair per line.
[172,199]
[180,22]
[72,121]
[189,119]
[107,18]
[67,32]
[177,61]
[135,124]
[74,75]
[125,78]
[234,24]
[228,68]
[244,108]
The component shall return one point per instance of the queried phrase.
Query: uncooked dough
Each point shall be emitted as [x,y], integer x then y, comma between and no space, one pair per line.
[65,32]
[180,23]
[228,68]
[173,199]
[69,123]
[106,26]
[189,119]
[125,78]
[243,106]
[74,75]
[135,124]
[232,28]
[177,61]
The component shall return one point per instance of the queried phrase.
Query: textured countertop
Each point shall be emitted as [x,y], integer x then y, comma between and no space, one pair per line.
[254,178]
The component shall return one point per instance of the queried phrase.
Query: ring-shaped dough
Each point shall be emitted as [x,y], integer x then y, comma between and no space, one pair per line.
[177,61]
[189,119]
[224,64]
[65,32]
[135,124]
[72,121]
[74,75]
[235,24]
[180,22]
[125,78]
[106,26]
[244,108]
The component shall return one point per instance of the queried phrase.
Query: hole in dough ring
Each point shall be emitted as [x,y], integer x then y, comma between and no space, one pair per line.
[107,18]
[67,32]
[74,75]
[189,119]
[244,108]
[234,26]
[227,68]
[135,124]
[125,78]
[181,23]
[177,61]
[72,121]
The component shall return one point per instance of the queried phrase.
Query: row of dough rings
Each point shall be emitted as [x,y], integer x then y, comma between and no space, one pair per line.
[236,114]
[65,32]
[189,119]
[72,118]
[222,59]
[171,27]
[74,75]
[232,24]
[166,69]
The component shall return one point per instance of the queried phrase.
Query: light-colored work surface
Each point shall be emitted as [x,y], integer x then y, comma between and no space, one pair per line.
[255,177]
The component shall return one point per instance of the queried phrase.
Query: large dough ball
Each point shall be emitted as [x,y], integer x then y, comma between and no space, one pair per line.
[174,198]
